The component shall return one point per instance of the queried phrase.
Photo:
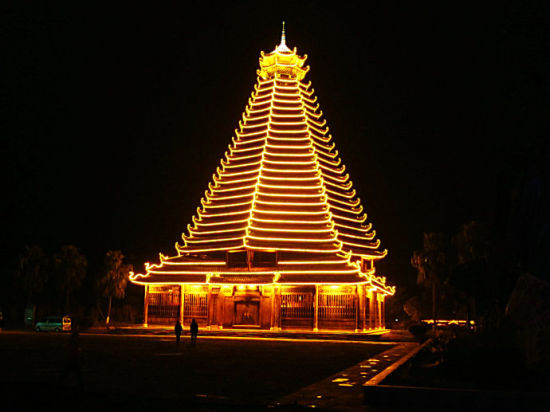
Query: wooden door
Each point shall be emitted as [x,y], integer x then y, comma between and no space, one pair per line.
[247,313]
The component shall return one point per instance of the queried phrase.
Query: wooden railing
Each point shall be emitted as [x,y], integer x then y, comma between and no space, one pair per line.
[297,306]
[195,306]
[336,307]
[164,305]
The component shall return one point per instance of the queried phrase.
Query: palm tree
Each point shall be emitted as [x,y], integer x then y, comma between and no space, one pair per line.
[70,269]
[114,278]
[32,271]
[472,248]
[433,265]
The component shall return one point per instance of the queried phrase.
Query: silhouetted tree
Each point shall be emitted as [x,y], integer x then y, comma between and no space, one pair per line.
[433,265]
[471,244]
[70,270]
[32,272]
[114,278]
[412,308]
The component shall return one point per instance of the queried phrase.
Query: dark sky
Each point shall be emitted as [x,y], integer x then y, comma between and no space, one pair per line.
[117,114]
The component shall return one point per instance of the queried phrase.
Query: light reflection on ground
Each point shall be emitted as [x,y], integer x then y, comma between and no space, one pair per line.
[343,391]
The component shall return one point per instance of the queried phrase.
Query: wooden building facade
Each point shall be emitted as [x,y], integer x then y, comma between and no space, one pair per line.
[314,307]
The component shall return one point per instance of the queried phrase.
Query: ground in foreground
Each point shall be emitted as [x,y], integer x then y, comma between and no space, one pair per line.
[146,372]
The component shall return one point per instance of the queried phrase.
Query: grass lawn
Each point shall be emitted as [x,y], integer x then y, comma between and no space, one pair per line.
[139,370]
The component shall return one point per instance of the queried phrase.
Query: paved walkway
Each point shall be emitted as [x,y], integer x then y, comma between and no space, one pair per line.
[343,391]
[376,336]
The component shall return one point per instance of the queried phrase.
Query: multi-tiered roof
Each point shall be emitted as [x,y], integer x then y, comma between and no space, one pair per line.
[280,187]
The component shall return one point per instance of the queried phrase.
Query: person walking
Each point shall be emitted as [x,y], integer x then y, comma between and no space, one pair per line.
[194,329]
[178,329]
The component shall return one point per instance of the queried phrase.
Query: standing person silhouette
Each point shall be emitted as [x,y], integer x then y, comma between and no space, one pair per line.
[194,329]
[72,363]
[178,329]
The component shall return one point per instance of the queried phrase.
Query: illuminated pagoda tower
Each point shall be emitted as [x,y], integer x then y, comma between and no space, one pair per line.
[280,240]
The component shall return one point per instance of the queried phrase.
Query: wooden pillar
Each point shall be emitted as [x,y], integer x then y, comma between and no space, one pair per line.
[380,325]
[219,308]
[222,317]
[377,303]
[383,314]
[182,301]
[363,303]
[278,320]
[208,306]
[357,302]
[146,306]
[372,307]
[272,322]
[316,310]
[377,307]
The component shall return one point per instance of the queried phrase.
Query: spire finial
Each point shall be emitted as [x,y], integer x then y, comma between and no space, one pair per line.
[282,46]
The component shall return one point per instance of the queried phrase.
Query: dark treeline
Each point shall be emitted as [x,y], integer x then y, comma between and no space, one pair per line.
[498,273]
[40,283]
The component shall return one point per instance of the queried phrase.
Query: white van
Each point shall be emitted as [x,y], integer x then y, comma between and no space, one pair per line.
[54,323]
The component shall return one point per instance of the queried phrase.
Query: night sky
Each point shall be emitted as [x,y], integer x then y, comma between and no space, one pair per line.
[117,115]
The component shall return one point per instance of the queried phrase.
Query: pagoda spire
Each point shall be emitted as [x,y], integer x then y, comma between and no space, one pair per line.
[282,46]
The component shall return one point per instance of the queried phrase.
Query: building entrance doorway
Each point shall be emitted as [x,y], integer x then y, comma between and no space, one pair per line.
[247,313]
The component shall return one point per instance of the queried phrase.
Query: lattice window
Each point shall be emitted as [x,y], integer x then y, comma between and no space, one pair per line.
[264,259]
[297,306]
[164,304]
[336,307]
[238,259]
[195,306]
[164,299]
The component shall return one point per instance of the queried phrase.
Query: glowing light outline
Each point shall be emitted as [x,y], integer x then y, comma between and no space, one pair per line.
[308,118]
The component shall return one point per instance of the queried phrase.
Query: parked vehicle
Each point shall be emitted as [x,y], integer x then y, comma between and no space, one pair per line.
[54,323]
